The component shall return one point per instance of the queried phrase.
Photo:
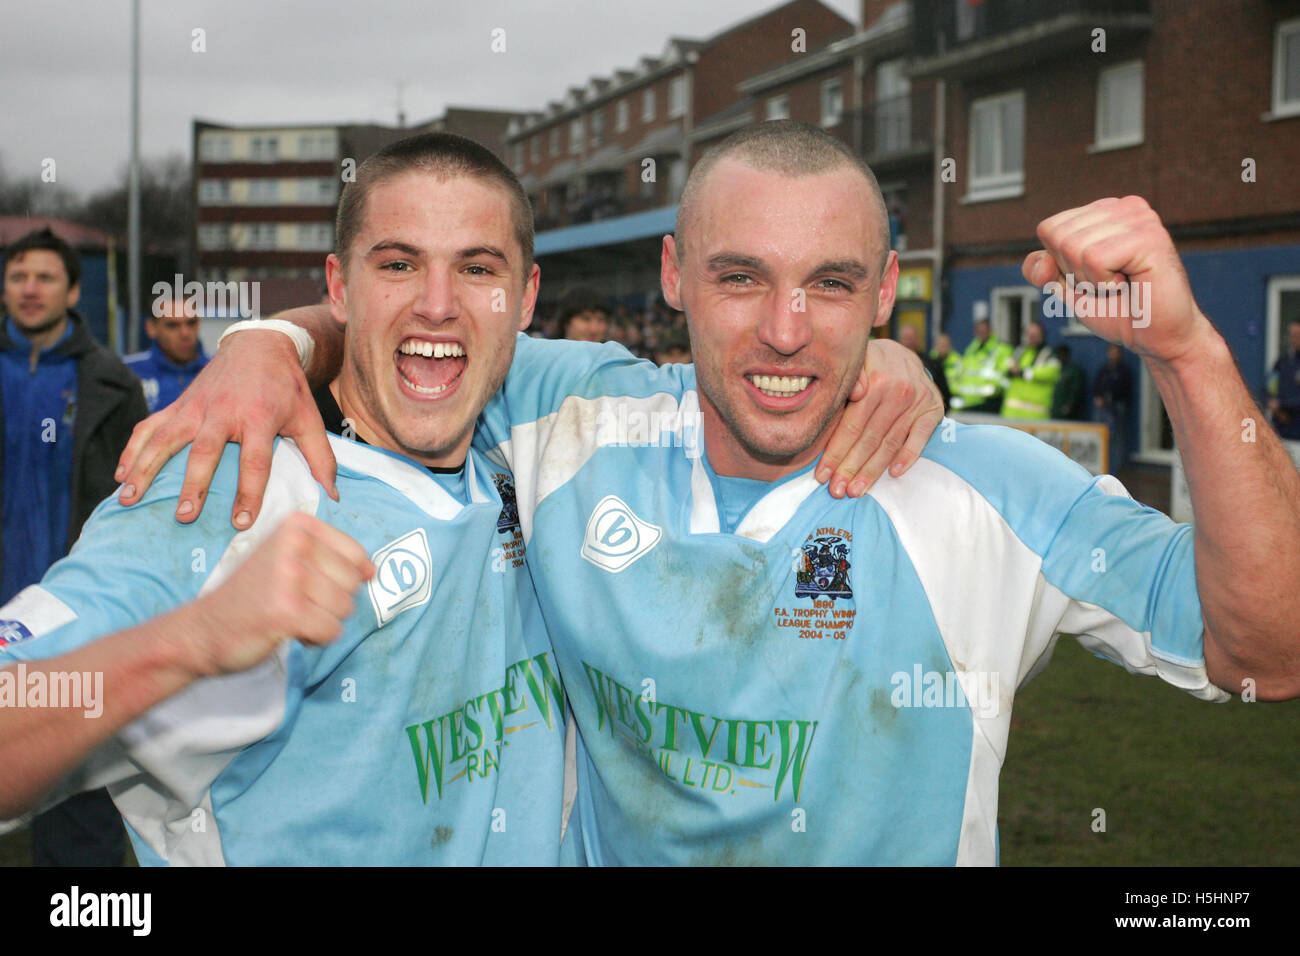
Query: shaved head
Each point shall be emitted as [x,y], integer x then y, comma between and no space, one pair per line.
[789,148]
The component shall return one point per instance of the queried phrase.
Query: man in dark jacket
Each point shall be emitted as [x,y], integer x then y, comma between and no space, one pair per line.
[1284,387]
[1111,391]
[69,406]
[1067,397]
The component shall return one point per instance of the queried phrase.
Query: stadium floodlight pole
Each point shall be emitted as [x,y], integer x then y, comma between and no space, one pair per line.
[133,190]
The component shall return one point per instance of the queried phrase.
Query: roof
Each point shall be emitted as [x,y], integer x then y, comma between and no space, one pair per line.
[13,228]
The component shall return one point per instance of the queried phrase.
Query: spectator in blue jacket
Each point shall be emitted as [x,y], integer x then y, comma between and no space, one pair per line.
[69,406]
[176,357]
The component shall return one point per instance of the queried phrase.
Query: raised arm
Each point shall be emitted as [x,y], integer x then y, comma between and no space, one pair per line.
[299,582]
[1245,490]
[253,389]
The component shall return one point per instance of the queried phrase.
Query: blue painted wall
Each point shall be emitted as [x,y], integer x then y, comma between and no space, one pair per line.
[1231,287]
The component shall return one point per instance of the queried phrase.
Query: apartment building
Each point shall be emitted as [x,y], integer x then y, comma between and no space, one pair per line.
[605,163]
[1051,104]
[266,195]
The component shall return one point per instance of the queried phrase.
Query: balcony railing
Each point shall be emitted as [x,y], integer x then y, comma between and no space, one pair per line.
[942,26]
[895,128]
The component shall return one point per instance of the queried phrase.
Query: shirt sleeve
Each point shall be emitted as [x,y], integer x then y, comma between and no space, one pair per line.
[1121,578]
[1116,574]
[547,372]
[128,566]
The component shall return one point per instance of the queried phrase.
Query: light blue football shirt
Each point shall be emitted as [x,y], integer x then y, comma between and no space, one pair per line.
[796,679]
[431,732]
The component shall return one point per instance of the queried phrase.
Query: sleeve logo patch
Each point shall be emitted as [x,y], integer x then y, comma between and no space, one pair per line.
[616,537]
[13,632]
[403,576]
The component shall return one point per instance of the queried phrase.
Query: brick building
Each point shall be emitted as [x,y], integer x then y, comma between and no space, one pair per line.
[1195,107]
[266,195]
[605,164]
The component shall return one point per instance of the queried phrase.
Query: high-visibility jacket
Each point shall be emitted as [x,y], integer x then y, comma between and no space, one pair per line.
[951,365]
[1029,394]
[979,379]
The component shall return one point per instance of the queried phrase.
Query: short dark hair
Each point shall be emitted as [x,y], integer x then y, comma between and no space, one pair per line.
[43,238]
[581,298]
[438,154]
[790,148]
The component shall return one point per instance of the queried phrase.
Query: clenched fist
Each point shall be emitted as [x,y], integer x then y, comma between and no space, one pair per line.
[1144,301]
[299,583]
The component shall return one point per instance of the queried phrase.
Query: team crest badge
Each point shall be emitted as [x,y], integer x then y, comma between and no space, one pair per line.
[824,571]
[509,519]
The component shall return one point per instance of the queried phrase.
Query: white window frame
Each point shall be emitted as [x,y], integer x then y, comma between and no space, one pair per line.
[214,147]
[1280,33]
[1001,185]
[214,236]
[597,127]
[1149,420]
[648,105]
[677,96]
[1030,308]
[214,192]
[832,118]
[1276,286]
[575,134]
[621,112]
[263,192]
[777,107]
[1100,142]
[555,140]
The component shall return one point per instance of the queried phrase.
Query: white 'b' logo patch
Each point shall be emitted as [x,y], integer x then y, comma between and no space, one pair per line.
[403,576]
[615,536]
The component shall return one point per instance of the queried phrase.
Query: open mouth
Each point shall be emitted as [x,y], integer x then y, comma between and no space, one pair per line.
[780,386]
[430,368]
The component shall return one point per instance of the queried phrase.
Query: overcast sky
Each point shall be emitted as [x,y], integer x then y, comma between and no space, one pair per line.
[65,65]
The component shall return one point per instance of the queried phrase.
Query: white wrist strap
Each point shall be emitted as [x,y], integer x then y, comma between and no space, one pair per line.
[301,339]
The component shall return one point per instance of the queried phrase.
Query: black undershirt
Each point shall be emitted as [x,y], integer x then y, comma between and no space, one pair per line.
[332,416]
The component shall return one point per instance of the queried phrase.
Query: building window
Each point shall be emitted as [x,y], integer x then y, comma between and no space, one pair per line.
[620,116]
[214,192]
[778,108]
[893,119]
[262,192]
[1014,307]
[317,192]
[315,237]
[315,146]
[575,136]
[1283,309]
[264,149]
[535,147]
[555,141]
[214,148]
[1119,106]
[648,105]
[260,235]
[677,96]
[997,146]
[597,127]
[519,157]
[1286,68]
[214,235]
[832,102]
